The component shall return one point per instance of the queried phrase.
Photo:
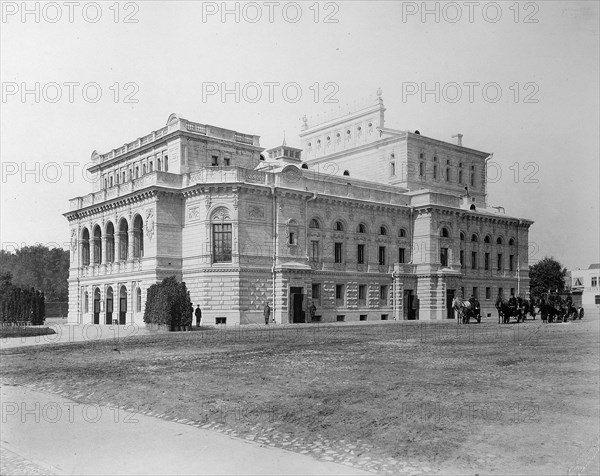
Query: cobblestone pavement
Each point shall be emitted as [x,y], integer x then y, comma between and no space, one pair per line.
[11,464]
[73,445]
[354,455]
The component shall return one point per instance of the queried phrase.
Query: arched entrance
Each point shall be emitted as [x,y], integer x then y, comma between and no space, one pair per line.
[96,306]
[123,305]
[109,305]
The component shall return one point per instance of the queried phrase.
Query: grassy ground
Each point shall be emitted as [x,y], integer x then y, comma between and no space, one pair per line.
[22,331]
[513,399]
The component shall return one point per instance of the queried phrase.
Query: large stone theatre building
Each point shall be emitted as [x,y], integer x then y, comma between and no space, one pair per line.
[364,221]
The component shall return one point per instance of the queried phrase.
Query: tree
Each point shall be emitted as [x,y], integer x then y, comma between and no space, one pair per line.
[39,267]
[168,303]
[547,274]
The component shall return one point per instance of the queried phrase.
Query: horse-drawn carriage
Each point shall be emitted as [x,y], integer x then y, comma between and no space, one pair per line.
[558,307]
[466,310]
[517,308]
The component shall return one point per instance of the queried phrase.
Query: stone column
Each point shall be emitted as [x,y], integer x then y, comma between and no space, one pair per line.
[131,244]
[104,261]
[117,250]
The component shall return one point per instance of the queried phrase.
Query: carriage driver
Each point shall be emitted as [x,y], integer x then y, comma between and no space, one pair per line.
[512,302]
[475,306]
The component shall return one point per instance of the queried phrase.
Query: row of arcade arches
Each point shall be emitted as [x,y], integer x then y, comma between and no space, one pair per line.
[115,305]
[91,244]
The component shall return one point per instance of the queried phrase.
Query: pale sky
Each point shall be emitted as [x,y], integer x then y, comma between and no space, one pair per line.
[541,56]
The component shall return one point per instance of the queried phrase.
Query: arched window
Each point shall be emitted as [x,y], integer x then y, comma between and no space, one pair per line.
[474,238]
[138,299]
[487,239]
[150,166]
[110,242]
[382,230]
[346,172]
[221,235]
[138,237]
[314,223]
[97,245]
[511,242]
[499,240]
[339,226]
[402,233]
[444,232]
[166,163]
[137,172]
[304,166]
[123,239]
[462,236]
[361,228]
[85,247]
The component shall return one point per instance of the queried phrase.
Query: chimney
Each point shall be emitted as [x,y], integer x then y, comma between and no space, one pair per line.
[458,139]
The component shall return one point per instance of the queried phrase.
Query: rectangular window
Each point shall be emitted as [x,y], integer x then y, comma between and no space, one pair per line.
[448,174]
[292,238]
[339,291]
[384,317]
[435,169]
[462,258]
[382,255]
[421,169]
[362,292]
[316,293]
[460,176]
[363,317]
[472,181]
[340,318]
[511,262]
[392,168]
[512,291]
[222,243]
[401,255]
[383,293]
[501,292]
[499,262]
[476,292]
[488,293]
[227,160]
[360,252]
[315,251]
[473,259]
[215,161]
[338,252]
[486,261]
[444,256]
[594,282]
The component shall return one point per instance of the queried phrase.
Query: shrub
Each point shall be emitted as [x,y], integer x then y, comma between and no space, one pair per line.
[168,303]
[20,305]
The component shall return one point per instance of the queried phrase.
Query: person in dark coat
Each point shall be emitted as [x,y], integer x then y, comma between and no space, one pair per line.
[267,313]
[312,310]
[198,314]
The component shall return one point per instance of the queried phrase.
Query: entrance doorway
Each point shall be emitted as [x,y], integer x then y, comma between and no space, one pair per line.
[449,298]
[123,305]
[410,305]
[96,306]
[297,304]
[109,305]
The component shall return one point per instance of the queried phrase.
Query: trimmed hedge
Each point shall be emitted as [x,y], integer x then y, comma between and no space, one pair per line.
[168,303]
[20,305]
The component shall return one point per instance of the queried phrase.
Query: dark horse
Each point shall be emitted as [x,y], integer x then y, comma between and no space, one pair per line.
[505,312]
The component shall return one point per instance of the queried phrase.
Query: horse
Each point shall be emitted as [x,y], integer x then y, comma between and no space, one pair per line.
[505,312]
[462,309]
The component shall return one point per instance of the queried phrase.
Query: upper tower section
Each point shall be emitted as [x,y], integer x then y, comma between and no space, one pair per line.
[180,147]
[349,131]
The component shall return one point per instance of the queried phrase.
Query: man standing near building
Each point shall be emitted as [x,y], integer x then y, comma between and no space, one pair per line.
[312,310]
[267,313]
[198,314]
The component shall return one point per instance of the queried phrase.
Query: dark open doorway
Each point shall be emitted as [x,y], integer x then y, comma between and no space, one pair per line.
[297,305]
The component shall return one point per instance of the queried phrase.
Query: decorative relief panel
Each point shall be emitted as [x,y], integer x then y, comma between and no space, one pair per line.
[256,212]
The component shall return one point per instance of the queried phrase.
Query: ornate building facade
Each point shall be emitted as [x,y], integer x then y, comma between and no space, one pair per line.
[366,222]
